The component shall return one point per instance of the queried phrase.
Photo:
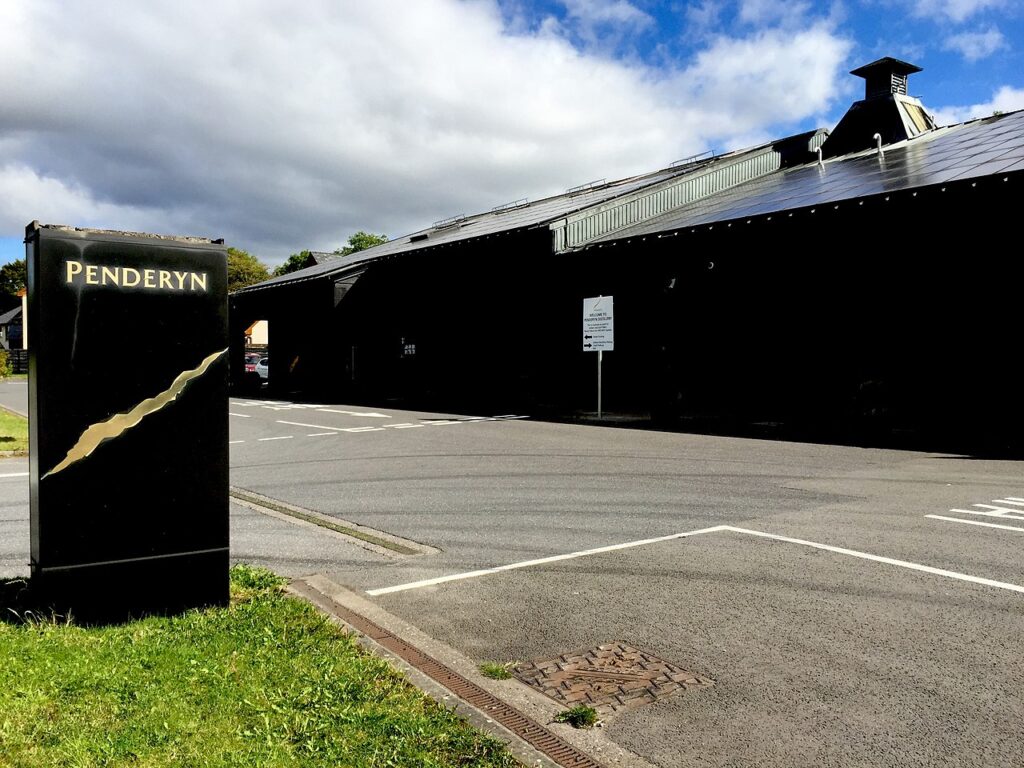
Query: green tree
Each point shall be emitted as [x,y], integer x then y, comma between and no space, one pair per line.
[294,263]
[360,241]
[13,277]
[244,269]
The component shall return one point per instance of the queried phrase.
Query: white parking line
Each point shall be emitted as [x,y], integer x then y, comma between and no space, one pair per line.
[715,529]
[312,426]
[15,474]
[368,414]
[328,430]
[976,522]
[240,415]
[539,561]
[235,442]
[986,514]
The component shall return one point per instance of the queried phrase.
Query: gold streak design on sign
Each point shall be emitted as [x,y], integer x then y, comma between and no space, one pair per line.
[120,423]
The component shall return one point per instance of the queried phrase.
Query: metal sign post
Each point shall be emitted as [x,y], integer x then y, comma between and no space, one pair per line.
[599,334]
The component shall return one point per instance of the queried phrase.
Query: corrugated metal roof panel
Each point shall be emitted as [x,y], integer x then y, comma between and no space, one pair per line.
[654,200]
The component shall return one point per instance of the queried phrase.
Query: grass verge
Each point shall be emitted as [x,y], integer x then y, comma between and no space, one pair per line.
[266,681]
[580,716]
[13,434]
[496,671]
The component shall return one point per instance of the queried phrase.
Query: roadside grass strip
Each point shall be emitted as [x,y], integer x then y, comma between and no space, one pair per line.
[13,434]
[266,681]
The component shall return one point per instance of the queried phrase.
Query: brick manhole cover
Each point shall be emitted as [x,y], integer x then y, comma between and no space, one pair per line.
[609,678]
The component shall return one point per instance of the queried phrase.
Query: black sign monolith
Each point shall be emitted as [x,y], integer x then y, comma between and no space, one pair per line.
[128,421]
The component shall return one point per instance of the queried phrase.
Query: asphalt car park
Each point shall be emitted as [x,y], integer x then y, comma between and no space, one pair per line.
[849,606]
[840,606]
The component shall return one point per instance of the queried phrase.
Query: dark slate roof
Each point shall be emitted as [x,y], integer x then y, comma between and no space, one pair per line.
[7,317]
[978,148]
[985,147]
[503,219]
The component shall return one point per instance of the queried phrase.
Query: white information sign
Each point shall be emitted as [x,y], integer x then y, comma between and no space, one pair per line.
[598,324]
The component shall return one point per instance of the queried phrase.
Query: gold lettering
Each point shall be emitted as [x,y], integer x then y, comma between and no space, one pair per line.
[129,277]
[73,268]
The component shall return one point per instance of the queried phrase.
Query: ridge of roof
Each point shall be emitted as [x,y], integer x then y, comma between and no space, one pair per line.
[504,220]
[982,147]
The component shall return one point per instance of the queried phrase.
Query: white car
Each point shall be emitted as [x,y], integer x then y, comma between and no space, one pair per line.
[261,367]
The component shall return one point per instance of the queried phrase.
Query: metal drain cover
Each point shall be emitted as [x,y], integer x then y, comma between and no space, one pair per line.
[609,678]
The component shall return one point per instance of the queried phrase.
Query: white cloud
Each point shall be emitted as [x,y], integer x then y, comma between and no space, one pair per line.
[601,25]
[762,12]
[1006,99]
[976,45]
[285,126]
[607,12]
[955,10]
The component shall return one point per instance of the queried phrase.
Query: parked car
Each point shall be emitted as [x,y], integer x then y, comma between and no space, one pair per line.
[251,359]
[261,367]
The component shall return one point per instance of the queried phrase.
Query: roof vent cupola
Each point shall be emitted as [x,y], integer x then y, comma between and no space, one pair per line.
[886,110]
[884,77]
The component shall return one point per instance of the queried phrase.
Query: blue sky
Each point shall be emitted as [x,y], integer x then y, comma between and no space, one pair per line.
[281,127]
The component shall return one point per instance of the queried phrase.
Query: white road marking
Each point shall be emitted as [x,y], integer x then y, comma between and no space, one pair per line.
[1015,498]
[886,560]
[975,522]
[15,474]
[1010,500]
[312,426]
[404,425]
[1000,510]
[368,414]
[241,415]
[235,442]
[539,561]
[715,529]
[986,514]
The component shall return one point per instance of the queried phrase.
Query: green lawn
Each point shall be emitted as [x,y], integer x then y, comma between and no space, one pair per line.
[265,682]
[13,432]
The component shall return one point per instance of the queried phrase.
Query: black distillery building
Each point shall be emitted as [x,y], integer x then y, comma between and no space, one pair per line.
[860,284]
